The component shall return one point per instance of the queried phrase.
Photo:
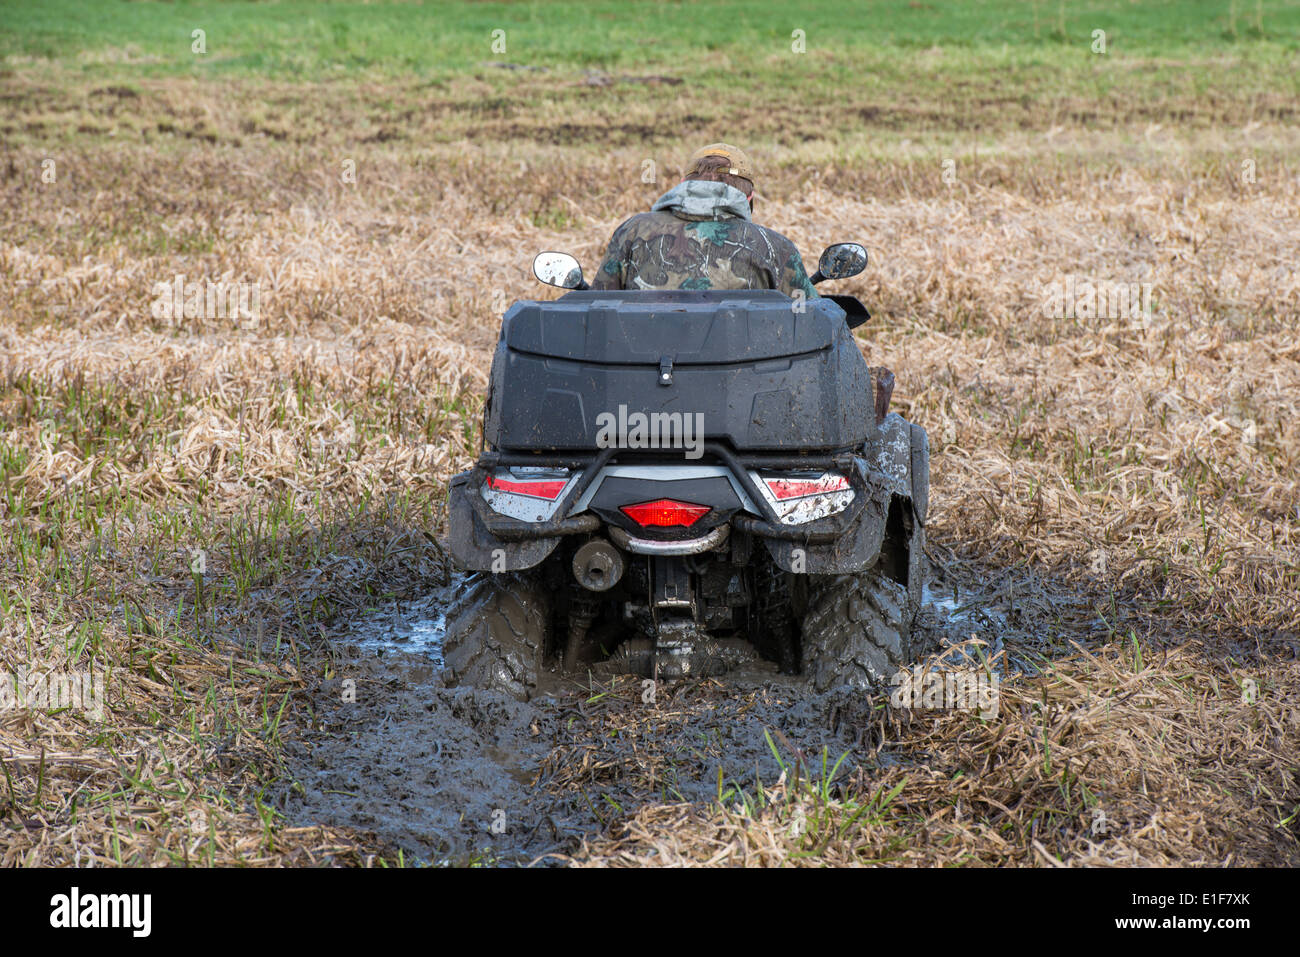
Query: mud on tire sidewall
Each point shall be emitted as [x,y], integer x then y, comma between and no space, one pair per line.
[857,630]
[497,635]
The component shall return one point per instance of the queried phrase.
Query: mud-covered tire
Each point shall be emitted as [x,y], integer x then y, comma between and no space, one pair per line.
[857,630]
[497,635]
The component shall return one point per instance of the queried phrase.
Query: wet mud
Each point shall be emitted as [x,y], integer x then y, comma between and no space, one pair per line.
[462,775]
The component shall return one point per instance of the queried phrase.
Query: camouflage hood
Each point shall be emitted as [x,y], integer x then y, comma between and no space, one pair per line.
[699,199]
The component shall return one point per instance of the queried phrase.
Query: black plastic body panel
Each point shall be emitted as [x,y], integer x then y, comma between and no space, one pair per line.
[754,369]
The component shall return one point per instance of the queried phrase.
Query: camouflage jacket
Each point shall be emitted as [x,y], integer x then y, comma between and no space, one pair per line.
[698,235]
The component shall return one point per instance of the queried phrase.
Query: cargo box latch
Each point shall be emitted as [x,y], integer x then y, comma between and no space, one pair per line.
[665,370]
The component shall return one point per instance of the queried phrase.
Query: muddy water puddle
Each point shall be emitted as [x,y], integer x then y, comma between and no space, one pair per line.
[414,627]
[973,632]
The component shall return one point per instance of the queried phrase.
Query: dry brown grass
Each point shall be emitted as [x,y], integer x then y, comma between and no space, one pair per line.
[1148,469]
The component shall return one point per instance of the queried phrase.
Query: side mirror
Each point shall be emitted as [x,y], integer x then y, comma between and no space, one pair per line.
[558,269]
[841,261]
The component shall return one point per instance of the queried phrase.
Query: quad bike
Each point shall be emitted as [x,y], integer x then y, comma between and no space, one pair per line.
[680,483]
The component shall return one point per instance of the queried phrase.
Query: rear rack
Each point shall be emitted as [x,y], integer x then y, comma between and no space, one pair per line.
[561,458]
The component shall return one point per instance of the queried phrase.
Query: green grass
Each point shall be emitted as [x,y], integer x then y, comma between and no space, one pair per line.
[718,37]
[869,76]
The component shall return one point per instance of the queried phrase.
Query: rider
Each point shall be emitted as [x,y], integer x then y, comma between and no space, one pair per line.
[699,235]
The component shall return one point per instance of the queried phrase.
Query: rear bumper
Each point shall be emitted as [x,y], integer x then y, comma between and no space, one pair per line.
[690,546]
[847,541]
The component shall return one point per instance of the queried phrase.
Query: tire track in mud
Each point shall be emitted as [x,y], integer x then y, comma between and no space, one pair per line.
[457,775]
[462,774]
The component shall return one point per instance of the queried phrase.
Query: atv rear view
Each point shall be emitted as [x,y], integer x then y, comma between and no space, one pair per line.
[679,483]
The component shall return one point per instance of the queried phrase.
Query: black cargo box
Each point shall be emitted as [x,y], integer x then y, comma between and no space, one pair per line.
[762,375]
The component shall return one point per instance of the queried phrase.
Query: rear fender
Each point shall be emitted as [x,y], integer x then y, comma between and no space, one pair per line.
[896,469]
[474,548]
[901,457]
[889,455]
[854,551]
[920,473]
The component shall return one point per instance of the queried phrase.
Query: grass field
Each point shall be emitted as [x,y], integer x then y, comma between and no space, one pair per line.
[192,507]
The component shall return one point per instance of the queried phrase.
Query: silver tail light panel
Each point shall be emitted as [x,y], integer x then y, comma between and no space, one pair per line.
[528,493]
[802,497]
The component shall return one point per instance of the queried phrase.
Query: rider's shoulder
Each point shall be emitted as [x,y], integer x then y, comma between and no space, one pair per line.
[778,240]
[651,219]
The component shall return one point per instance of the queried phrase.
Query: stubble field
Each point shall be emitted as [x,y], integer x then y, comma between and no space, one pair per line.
[201,509]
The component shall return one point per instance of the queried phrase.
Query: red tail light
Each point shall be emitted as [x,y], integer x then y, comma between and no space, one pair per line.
[798,488]
[548,489]
[665,512]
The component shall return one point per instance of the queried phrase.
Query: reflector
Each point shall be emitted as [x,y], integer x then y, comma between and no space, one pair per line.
[665,512]
[548,489]
[798,488]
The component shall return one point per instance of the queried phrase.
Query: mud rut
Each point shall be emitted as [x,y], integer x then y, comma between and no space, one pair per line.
[460,774]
